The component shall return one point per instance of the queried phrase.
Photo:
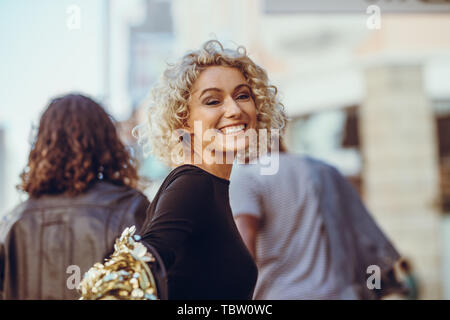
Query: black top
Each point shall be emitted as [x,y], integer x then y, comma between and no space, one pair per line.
[191,226]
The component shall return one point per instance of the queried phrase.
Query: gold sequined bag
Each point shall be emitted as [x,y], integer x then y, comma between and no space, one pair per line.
[134,271]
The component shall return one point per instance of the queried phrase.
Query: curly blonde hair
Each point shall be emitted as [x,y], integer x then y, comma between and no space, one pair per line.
[168,102]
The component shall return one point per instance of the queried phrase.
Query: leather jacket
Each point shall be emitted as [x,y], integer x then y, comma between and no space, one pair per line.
[47,244]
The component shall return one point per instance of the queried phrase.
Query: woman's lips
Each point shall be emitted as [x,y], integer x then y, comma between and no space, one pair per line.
[236,129]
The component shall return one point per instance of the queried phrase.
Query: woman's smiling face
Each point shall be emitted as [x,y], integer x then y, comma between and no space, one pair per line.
[222,101]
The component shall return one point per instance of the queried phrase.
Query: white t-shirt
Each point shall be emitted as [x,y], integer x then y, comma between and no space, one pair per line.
[292,247]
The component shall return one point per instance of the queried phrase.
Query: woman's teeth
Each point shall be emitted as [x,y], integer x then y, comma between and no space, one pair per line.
[233,129]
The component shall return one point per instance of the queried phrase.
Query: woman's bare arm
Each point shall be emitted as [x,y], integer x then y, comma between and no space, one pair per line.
[248,226]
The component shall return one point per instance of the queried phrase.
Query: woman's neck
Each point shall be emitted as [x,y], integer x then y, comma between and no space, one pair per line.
[219,170]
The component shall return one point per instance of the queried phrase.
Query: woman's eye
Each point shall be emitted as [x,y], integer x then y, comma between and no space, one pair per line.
[212,102]
[243,96]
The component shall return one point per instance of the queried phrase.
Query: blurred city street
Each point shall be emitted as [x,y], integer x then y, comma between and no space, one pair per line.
[372,99]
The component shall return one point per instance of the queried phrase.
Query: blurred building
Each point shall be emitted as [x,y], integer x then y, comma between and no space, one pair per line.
[406,73]
[151,44]
[2,170]
[374,103]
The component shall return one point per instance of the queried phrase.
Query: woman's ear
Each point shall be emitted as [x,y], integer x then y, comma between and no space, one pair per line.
[184,135]
[188,127]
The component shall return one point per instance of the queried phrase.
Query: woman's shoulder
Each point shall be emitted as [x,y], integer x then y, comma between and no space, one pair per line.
[187,190]
[189,179]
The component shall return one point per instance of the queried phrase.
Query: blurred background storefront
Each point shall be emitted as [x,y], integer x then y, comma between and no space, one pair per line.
[371,97]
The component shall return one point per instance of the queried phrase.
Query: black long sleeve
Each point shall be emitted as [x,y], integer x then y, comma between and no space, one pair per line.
[191,226]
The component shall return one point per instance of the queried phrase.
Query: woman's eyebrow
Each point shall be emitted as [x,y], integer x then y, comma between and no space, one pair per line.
[209,89]
[217,89]
[242,85]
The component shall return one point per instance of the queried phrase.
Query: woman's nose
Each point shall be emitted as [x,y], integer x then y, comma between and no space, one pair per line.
[232,109]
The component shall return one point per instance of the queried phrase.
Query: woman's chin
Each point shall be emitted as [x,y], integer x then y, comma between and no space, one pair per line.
[228,153]
[233,152]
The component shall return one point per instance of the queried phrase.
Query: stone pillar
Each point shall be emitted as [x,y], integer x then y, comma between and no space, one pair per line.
[400,167]
[3,180]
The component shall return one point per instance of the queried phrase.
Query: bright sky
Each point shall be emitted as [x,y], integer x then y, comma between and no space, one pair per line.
[40,57]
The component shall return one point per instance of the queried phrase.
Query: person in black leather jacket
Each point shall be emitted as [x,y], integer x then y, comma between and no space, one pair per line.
[81,183]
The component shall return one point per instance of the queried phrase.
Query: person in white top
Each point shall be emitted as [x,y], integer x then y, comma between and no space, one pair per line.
[300,225]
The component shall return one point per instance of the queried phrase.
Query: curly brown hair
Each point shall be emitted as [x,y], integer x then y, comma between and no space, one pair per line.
[76,145]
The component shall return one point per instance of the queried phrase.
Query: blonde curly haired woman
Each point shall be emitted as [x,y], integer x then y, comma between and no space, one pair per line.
[202,113]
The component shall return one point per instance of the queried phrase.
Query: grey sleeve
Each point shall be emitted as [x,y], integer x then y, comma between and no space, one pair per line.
[245,193]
